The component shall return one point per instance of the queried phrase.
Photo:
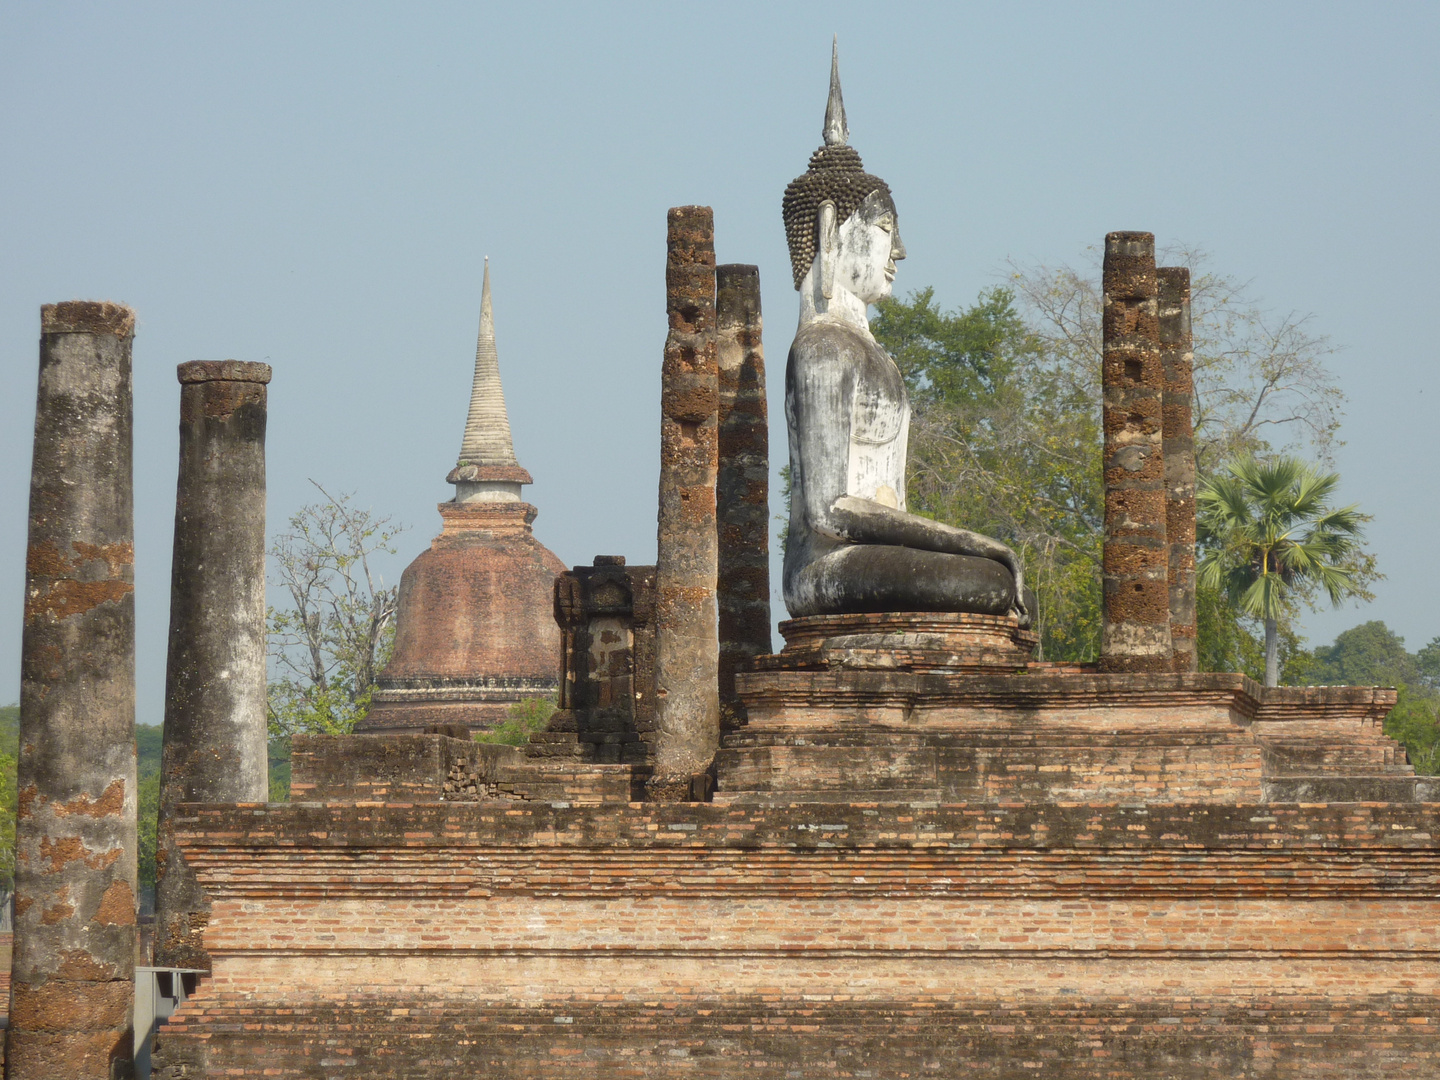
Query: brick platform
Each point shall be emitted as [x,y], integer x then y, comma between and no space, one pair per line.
[1205,927]
[903,641]
[885,735]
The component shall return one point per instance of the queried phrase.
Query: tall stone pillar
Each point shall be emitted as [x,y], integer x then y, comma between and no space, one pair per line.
[1135,568]
[214,739]
[1177,358]
[687,718]
[73,974]
[742,493]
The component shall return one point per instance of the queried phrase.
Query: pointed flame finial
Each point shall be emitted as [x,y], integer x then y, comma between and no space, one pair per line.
[487,313]
[837,132]
[487,469]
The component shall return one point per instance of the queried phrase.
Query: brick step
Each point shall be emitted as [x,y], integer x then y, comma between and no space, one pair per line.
[1000,741]
[556,751]
[608,738]
[1328,758]
[1341,1014]
[838,796]
[554,738]
[1344,789]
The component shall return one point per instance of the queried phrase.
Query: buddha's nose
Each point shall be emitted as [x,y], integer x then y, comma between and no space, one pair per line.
[897,247]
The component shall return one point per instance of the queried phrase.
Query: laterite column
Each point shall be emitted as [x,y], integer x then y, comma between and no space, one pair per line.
[1135,566]
[1177,358]
[214,738]
[687,718]
[742,492]
[73,974]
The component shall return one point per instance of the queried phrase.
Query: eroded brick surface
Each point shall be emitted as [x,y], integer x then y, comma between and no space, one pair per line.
[803,940]
[1178,428]
[687,708]
[1078,874]
[1136,632]
[742,486]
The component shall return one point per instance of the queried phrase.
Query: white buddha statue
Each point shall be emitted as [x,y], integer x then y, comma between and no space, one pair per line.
[851,545]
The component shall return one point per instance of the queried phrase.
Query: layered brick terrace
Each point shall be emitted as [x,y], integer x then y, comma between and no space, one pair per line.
[786,930]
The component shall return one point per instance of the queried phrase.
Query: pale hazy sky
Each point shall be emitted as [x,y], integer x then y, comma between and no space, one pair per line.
[316,185]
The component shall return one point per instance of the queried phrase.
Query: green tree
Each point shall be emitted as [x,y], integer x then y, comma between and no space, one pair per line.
[1005,433]
[147,803]
[329,644]
[1415,721]
[1005,440]
[1374,655]
[9,752]
[525,718]
[1427,665]
[1269,538]
[279,762]
[1370,654]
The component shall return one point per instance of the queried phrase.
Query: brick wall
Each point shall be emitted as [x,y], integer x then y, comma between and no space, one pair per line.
[530,939]
[902,875]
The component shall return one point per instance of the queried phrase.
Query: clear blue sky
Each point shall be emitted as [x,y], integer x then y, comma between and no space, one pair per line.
[315,186]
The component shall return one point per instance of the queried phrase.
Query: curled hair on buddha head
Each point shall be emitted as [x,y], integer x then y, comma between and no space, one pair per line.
[835,175]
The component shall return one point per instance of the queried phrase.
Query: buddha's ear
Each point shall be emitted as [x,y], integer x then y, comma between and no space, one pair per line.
[829,248]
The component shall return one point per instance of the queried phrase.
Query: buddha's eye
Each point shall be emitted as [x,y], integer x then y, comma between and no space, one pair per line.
[887,223]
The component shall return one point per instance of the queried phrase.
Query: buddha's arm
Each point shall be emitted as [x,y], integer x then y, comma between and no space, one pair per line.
[863,521]
[817,405]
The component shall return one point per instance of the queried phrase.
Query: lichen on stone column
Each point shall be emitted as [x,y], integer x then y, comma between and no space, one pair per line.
[73,973]
[215,724]
[687,727]
[742,492]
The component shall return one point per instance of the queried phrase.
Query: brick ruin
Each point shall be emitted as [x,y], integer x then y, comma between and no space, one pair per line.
[1177,359]
[1134,575]
[1147,375]
[687,648]
[908,850]
[915,850]
[902,873]
[742,485]
[606,614]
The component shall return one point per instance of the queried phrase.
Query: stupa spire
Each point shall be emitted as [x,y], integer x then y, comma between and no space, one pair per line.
[487,470]
[837,132]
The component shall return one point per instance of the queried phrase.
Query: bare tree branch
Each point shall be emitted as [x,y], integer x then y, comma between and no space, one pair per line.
[328,647]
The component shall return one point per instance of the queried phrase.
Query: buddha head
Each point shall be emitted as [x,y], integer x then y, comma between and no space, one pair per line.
[840,213]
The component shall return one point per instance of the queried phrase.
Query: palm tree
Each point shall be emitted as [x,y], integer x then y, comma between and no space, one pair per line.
[1267,526]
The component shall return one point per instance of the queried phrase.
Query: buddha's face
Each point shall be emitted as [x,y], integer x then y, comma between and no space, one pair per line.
[870,246]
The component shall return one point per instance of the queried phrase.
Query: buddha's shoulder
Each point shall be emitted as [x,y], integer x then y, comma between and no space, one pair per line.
[825,341]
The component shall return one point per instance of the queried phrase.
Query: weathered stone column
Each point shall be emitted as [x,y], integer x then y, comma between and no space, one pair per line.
[214,738]
[1136,631]
[1177,358]
[742,493]
[687,719]
[73,974]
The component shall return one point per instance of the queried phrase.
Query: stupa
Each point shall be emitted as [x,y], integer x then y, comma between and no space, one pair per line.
[475,630]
